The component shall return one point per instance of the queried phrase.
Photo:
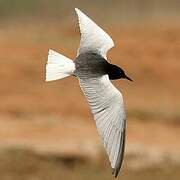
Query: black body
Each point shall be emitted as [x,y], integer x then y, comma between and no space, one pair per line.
[93,65]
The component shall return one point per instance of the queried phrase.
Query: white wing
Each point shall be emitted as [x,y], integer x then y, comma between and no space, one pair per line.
[107,106]
[93,38]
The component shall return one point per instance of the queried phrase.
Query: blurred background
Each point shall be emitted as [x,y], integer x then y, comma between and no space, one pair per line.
[46,129]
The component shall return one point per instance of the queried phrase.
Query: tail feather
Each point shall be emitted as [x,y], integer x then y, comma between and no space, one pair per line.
[58,66]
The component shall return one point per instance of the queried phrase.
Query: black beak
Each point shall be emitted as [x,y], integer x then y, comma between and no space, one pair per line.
[128,78]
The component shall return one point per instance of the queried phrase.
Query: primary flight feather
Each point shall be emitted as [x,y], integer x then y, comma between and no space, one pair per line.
[94,73]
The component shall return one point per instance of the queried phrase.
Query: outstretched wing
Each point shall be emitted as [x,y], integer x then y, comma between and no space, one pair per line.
[93,38]
[107,106]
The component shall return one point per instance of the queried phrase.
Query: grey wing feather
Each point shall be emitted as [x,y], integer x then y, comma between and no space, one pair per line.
[107,106]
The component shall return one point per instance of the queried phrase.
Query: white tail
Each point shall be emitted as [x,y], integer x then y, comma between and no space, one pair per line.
[58,66]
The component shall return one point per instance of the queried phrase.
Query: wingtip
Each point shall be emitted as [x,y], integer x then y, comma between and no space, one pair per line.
[77,10]
[114,172]
[51,51]
[118,166]
[78,13]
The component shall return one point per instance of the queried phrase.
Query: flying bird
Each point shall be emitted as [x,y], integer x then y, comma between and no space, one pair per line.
[95,72]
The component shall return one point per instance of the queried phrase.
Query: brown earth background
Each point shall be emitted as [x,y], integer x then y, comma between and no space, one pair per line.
[47,131]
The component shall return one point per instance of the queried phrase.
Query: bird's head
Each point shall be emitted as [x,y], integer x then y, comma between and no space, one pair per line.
[116,72]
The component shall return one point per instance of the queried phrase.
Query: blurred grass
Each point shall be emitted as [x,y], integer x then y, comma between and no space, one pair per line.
[22,164]
[122,11]
[166,117]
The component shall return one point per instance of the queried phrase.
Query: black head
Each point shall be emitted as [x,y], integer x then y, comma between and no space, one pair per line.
[116,72]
